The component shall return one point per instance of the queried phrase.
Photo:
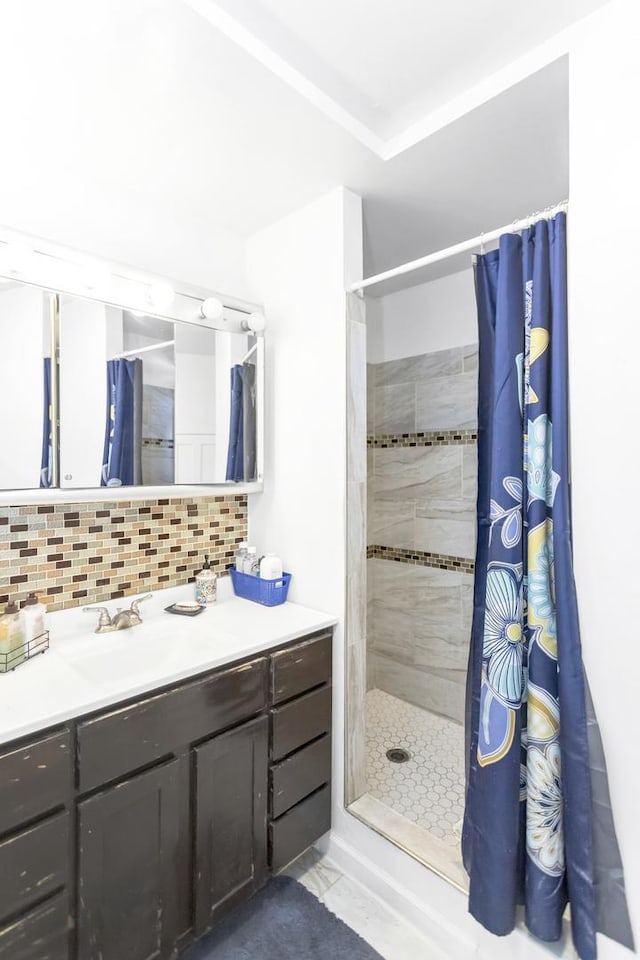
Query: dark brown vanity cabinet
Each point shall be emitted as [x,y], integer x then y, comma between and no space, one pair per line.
[129,832]
[131,858]
[300,757]
[230,848]
[36,846]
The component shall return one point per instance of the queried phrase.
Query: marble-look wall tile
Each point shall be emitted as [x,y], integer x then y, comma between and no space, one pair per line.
[418,473]
[444,526]
[356,585]
[417,620]
[424,366]
[421,498]
[447,403]
[369,625]
[425,689]
[356,403]
[391,523]
[355,730]
[470,473]
[371,396]
[470,357]
[466,608]
[395,408]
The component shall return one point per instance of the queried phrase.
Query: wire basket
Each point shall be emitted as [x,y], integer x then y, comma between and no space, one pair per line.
[267,592]
[14,658]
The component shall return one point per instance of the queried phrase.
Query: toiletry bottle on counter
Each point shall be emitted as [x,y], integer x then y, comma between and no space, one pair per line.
[12,637]
[33,617]
[241,557]
[206,586]
[251,562]
[270,567]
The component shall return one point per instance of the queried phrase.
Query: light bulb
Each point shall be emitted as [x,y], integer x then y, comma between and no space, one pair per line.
[211,309]
[160,295]
[255,322]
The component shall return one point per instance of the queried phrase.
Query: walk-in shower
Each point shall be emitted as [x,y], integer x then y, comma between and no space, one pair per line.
[406,775]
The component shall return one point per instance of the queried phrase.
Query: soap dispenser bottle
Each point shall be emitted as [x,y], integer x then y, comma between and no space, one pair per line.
[12,639]
[33,618]
[206,585]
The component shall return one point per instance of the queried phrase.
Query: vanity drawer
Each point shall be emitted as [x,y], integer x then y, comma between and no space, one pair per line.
[299,668]
[34,778]
[116,743]
[41,934]
[32,864]
[299,828]
[299,775]
[300,721]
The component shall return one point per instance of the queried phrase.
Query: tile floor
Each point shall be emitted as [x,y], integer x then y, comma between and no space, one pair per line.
[388,933]
[429,788]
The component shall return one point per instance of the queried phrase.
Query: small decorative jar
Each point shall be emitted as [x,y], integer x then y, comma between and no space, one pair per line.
[206,585]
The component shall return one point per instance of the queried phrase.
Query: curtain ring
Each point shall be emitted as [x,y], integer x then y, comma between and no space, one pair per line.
[482,244]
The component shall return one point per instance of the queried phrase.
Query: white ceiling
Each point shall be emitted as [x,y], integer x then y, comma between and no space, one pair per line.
[141,119]
[390,64]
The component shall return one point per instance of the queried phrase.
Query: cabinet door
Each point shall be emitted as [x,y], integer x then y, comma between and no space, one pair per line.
[231,820]
[131,859]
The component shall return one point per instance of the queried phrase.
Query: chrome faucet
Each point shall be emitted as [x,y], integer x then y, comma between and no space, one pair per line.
[122,620]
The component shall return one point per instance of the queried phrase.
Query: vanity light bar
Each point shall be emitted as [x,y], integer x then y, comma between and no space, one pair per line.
[53,268]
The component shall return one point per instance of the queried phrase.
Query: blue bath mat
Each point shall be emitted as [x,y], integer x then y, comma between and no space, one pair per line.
[281,922]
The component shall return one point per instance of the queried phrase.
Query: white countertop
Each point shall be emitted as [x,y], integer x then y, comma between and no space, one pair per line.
[82,672]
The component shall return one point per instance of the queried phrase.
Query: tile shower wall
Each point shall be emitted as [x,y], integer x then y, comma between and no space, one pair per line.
[73,554]
[422,415]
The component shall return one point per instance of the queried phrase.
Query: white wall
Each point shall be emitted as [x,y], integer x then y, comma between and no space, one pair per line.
[300,267]
[22,329]
[422,319]
[83,390]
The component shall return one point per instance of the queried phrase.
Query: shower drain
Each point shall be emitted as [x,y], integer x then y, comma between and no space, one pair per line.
[398,755]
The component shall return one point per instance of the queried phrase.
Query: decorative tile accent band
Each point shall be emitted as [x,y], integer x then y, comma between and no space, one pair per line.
[157,442]
[90,552]
[432,438]
[421,558]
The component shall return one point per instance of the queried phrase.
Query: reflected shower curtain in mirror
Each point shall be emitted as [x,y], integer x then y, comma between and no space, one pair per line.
[122,456]
[235,453]
[535,768]
[46,460]
[249,420]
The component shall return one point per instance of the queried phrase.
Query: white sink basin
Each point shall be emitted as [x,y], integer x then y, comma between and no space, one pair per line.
[121,654]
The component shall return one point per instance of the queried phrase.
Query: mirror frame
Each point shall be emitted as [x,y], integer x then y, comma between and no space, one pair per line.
[57,270]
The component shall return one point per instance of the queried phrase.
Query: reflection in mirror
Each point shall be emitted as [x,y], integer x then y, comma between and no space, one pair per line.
[25,429]
[149,401]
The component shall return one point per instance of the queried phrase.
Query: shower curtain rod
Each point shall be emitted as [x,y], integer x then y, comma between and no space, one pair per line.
[154,346]
[515,227]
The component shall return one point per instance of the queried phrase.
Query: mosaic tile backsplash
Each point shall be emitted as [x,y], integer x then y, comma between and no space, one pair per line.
[73,554]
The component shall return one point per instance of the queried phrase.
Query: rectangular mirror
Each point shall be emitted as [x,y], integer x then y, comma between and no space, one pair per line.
[138,400]
[25,368]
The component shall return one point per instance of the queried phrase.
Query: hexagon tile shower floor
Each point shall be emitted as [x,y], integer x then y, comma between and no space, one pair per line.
[427,789]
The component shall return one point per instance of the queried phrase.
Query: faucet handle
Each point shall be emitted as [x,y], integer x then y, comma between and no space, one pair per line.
[134,605]
[104,619]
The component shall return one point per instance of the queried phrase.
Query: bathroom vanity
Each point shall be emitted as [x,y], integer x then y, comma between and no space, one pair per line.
[129,830]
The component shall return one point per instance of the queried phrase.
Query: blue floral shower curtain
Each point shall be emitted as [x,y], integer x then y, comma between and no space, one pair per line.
[122,454]
[235,451]
[529,830]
